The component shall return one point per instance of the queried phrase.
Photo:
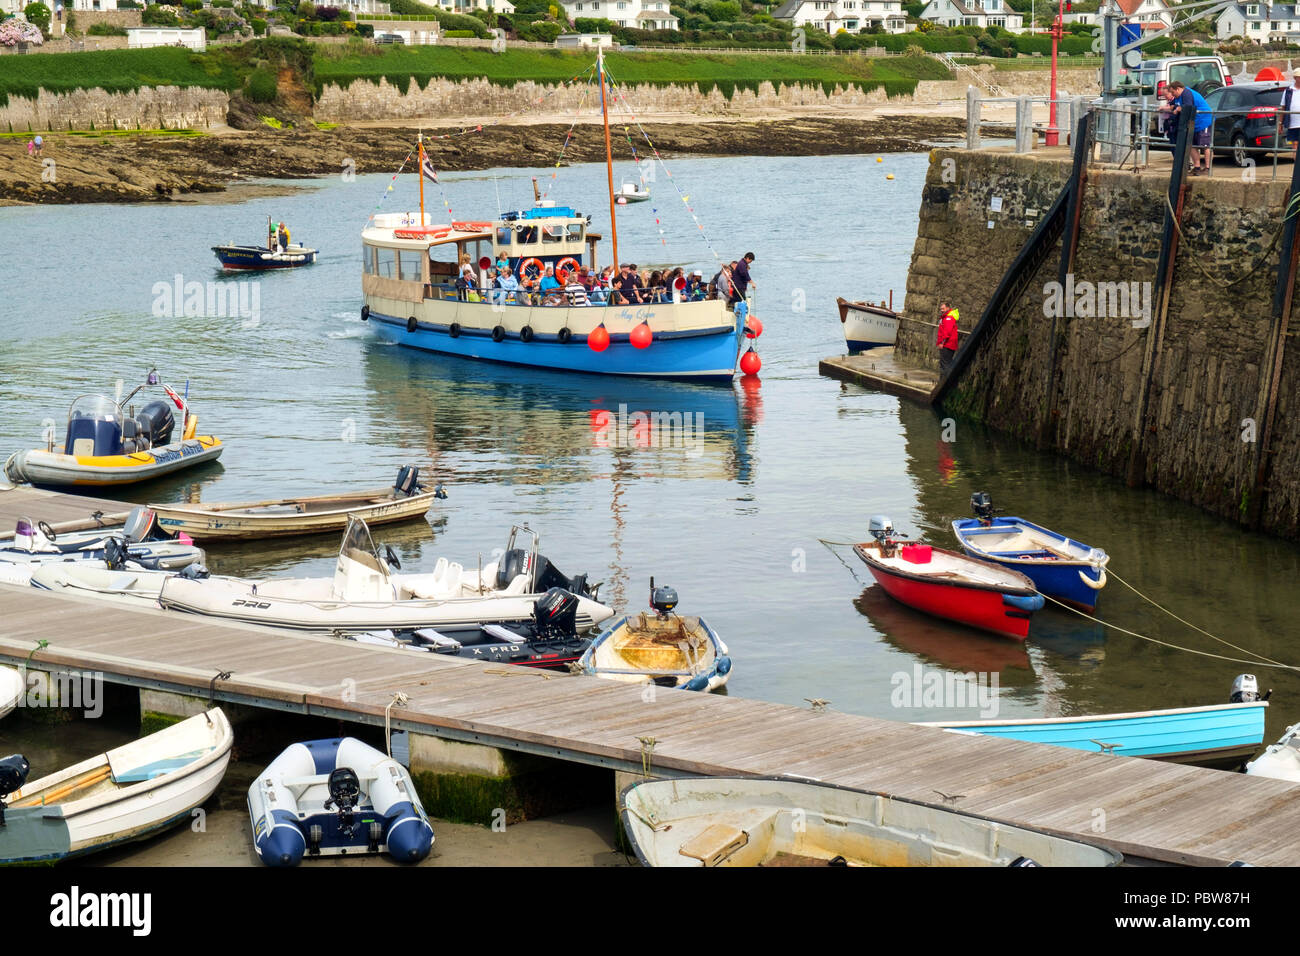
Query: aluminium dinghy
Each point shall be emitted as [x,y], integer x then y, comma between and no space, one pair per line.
[128,793]
[662,648]
[336,797]
[784,821]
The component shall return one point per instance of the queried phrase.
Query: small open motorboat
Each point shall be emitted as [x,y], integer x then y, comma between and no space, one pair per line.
[950,585]
[263,258]
[365,594]
[35,543]
[1216,735]
[867,326]
[550,641]
[1067,570]
[107,443]
[631,192]
[128,793]
[661,648]
[300,516]
[12,688]
[1281,760]
[335,798]
[784,821]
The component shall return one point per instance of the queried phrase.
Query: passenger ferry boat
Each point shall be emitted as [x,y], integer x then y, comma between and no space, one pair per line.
[409,272]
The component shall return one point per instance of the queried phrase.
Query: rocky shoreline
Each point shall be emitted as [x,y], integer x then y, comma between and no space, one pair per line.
[151,167]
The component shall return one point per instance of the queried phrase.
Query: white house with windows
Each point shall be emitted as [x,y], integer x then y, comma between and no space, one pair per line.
[638,14]
[852,16]
[467,6]
[1151,14]
[1259,22]
[974,13]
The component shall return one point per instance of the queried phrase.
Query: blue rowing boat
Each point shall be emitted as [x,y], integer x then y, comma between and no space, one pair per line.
[1223,735]
[1060,567]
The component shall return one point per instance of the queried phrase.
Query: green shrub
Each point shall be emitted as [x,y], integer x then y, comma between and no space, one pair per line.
[105,30]
[593,25]
[259,26]
[543,31]
[38,14]
[193,4]
[459,34]
[261,86]
[159,16]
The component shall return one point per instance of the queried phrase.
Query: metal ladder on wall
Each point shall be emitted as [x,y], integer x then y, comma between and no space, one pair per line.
[960,69]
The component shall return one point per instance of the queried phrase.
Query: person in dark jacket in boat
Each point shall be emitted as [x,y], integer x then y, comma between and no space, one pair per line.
[740,278]
[946,338]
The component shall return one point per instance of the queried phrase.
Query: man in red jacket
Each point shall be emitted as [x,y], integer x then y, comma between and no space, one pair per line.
[947,337]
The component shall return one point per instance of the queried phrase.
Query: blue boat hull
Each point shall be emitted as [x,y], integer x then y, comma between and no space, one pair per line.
[260,259]
[708,356]
[1222,735]
[1054,576]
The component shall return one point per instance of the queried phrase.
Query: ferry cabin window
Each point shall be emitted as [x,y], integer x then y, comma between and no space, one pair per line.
[574,230]
[527,234]
[387,262]
[408,263]
[367,260]
[503,235]
[552,234]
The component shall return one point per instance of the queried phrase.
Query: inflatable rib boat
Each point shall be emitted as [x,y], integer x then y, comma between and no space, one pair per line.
[106,443]
[334,798]
[35,543]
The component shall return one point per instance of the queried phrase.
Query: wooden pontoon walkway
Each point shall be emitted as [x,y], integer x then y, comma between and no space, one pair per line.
[63,512]
[1146,809]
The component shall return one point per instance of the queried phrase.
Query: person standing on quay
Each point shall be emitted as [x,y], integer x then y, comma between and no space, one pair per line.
[947,337]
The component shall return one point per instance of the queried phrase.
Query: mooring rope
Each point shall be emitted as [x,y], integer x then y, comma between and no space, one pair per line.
[1291,209]
[832,545]
[400,700]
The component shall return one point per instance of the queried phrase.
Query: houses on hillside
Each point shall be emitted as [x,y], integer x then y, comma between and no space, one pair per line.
[852,16]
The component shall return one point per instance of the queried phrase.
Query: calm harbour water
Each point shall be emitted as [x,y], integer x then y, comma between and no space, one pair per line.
[309,402]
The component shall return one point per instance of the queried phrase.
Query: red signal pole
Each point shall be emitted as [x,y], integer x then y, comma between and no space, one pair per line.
[1057,31]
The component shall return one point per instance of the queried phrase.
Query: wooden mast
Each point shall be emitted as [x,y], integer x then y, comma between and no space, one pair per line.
[609,156]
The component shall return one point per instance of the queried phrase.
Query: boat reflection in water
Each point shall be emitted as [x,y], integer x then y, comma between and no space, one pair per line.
[943,643]
[490,423]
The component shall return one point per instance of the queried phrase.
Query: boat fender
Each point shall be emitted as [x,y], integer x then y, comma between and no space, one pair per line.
[1095,585]
[365,312]
[454,330]
[1029,602]
[698,682]
[724,665]
[526,334]
[564,335]
[498,333]
[411,324]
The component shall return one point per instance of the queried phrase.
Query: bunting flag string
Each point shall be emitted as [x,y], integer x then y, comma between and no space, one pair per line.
[391,183]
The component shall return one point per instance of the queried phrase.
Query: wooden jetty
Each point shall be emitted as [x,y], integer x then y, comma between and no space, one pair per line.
[1148,810]
[63,512]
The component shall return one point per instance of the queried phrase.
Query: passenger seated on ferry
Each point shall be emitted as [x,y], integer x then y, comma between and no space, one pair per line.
[548,282]
[695,286]
[464,278]
[655,286]
[508,286]
[576,291]
[502,262]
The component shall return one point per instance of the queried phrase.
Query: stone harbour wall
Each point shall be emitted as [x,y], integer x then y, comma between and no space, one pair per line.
[1208,382]
[151,107]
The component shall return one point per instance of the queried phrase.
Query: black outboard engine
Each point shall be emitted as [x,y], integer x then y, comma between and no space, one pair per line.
[982,505]
[156,422]
[345,789]
[115,553]
[194,572]
[1245,690]
[13,774]
[662,599]
[555,614]
[408,482]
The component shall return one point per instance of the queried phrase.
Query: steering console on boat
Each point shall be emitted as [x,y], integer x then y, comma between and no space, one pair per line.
[13,774]
[982,504]
[345,789]
[662,599]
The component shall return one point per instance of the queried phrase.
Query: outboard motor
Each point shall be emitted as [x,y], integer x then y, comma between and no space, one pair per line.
[13,774]
[882,529]
[156,423]
[1245,690]
[555,614]
[982,505]
[195,572]
[513,563]
[408,482]
[115,553]
[345,789]
[139,525]
[662,599]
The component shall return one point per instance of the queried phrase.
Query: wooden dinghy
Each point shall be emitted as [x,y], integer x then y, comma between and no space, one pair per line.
[128,793]
[662,648]
[780,821]
[322,514]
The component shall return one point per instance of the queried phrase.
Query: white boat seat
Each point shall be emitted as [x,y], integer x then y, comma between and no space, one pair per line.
[502,634]
[440,570]
[430,636]
[320,779]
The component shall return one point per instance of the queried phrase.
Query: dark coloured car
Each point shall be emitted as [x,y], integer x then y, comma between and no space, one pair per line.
[1246,115]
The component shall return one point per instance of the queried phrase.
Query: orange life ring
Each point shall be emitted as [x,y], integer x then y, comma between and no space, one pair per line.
[471,226]
[524,277]
[561,272]
[422,232]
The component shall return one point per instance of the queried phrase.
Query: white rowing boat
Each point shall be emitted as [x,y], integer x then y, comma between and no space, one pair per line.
[11,689]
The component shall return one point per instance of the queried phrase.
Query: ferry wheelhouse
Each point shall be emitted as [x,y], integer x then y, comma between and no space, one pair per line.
[410,267]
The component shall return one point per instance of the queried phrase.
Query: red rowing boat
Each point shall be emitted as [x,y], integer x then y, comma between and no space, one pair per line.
[953,586]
